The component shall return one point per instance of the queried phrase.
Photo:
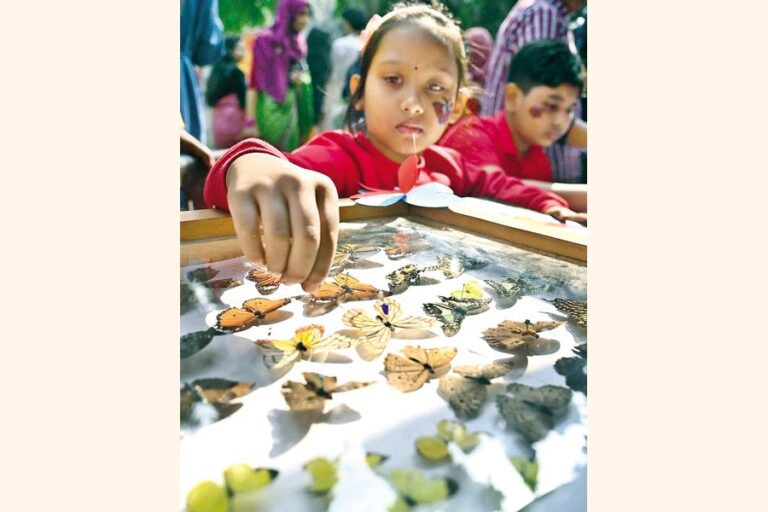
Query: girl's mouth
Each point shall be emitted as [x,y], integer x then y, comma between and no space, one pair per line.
[408,129]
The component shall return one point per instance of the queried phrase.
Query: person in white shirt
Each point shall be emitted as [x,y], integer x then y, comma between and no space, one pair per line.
[344,52]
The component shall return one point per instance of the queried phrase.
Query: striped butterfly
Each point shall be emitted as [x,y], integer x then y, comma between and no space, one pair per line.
[318,388]
[507,288]
[418,366]
[379,329]
[576,309]
[466,392]
[305,342]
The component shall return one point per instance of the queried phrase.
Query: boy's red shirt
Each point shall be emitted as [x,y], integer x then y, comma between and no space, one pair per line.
[487,142]
[351,161]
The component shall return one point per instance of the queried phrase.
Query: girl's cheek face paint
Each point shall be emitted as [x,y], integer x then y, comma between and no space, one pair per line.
[443,111]
[536,112]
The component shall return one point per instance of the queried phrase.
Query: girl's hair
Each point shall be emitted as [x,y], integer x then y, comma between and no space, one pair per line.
[230,42]
[435,19]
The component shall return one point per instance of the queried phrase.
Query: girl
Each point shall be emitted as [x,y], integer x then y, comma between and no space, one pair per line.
[281,94]
[225,92]
[401,104]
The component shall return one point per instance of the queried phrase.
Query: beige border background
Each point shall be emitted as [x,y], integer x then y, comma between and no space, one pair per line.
[677,288]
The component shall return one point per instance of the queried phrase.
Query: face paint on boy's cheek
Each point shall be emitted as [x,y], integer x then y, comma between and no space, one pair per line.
[536,112]
[443,111]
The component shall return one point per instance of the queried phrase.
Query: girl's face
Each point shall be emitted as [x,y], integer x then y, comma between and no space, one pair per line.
[238,52]
[301,20]
[410,92]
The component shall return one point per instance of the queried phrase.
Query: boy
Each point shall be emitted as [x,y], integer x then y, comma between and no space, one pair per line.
[540,98]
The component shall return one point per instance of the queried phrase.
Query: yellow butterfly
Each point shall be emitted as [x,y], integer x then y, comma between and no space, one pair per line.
[378,330]
[307,340]
[471,290]
[319,388]
[419,365]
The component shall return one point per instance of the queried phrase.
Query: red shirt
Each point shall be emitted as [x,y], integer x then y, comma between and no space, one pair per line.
[351,160]
[487,142]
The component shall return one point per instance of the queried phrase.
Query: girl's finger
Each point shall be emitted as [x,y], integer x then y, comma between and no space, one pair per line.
[305,232]
[276,229]
[247,223]
[327,199]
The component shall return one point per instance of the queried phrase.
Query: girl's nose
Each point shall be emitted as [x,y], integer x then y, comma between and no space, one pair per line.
[411,105]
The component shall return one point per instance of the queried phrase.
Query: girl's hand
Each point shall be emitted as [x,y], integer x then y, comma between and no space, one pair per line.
[285,217]
[563,214]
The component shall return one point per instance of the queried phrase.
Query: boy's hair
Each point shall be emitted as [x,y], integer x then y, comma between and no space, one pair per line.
[230,42]
[356,17]
[434,18]
[547,62]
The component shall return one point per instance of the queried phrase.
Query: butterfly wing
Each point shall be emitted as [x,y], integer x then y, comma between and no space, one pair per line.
[221,391]
[202,274]
[505,339]
[554,398]
[450,267]
[349,386]
[373,345]
[224,283]
[328,292]
[405,374]
[266,283]
[491,371]
[449,317]
[465,396]
[576,309]
[278,353]
[301,397]
[531,420]
[261,307]
[390,310]
[507,288]
[234,319]
[436,360]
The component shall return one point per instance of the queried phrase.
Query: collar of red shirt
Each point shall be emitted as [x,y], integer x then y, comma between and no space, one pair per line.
[507,141]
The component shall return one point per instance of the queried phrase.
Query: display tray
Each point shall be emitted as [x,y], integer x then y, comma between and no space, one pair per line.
[547,261]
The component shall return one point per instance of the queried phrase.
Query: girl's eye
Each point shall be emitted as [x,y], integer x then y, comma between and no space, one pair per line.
[436,88]
[392,79]
[552,108]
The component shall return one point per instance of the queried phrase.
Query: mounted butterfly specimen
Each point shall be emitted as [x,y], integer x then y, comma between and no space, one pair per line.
[207,400]
[467,392]
[576,309]
[450,267]
[379,328]
[510,336]
[266,283]
[574,369]
[418,366]
[253,310]
[345,287]
[305,342]
[318,388]
[451,312]
[533,411]
[506,288]
[404,277]
[202,274]
[218,284]
[416,487]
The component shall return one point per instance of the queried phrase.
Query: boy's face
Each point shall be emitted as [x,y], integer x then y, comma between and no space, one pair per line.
[543,115]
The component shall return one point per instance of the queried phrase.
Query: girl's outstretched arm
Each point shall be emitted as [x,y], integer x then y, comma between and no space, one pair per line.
[285,217]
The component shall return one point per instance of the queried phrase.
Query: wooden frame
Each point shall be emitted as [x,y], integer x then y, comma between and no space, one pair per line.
[209,235]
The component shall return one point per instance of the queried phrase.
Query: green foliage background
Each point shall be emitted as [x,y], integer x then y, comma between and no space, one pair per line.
[239,14]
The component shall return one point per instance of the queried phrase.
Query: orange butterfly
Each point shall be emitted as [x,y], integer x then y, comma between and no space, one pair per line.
[346,287]
[266,283]
[253,310]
